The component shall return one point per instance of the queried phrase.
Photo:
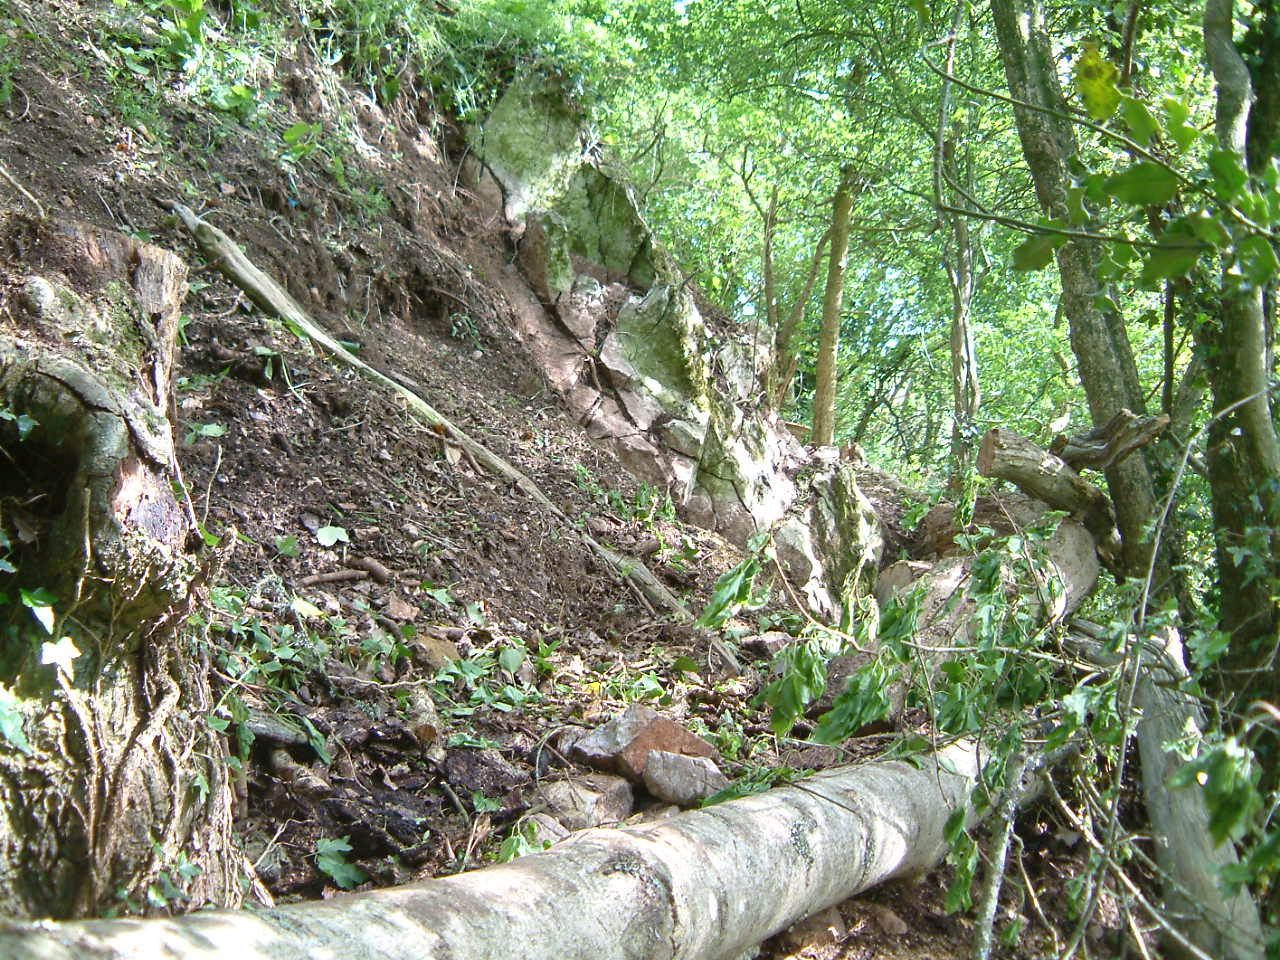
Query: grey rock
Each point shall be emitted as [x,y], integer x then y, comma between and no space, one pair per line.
[588,801]
[682,780]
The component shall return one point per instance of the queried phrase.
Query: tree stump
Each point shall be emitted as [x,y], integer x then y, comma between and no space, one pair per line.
[109,772]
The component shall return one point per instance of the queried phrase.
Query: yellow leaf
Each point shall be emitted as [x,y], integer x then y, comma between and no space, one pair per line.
[1096,82]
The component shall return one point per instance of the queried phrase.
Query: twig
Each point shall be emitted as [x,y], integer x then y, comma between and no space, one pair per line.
[22,190]
[217,462]
[1002,830]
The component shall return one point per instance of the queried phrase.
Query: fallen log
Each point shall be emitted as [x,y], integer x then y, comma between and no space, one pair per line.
[1107,445]
[1005,455]
[1227,927]
[704,885]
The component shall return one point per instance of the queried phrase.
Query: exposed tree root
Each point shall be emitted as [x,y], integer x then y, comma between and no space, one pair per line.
[231,261]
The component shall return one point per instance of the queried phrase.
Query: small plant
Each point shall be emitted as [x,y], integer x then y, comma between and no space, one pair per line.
[331,859]
[300,141]
[736,590]
[521,841]
[463,327]
[210,430]
[24,422]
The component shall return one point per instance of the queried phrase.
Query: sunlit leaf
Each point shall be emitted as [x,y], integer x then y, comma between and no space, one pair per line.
[62,654]
[1144,184]
[328,536]
[1036,252]
[1229,174]
[1096,83]
[1142,125]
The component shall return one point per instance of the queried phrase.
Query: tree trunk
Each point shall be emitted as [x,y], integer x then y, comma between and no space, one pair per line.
[966,393]
[824,401]
[110,776]
[708,884]
[1243,454]
[1098,339]
[785,360]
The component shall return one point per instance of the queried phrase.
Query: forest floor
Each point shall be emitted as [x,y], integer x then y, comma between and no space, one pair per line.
[448,580]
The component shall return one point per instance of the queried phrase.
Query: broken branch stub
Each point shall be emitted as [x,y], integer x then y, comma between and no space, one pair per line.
[1105,446]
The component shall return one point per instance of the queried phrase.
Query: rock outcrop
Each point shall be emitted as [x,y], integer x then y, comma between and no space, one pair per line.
[622,340]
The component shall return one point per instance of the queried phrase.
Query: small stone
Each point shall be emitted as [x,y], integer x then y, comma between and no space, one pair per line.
[888,921]
[682,780]
[824,928]
[588,801]
[397,609]
[433,652]
[767,645]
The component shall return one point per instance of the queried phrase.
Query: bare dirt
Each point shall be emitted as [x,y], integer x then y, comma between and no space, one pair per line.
[278,444]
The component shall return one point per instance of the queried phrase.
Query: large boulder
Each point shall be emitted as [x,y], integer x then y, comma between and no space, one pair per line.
[621,338]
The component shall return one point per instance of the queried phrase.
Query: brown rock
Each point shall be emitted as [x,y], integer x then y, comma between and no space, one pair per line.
[824,928]
[888,921]
[432,651]
[397,609]
[623,744]
[766,645]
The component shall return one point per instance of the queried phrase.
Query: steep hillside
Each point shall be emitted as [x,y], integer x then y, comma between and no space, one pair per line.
[401,640]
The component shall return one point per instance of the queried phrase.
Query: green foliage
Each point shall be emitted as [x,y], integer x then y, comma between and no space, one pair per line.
[331,859]
[736,590]
[521,841]
[11,719]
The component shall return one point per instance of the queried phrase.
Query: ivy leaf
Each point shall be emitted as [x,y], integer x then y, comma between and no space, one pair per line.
[40,602]
[1096,82]
[1144,184]
[1035,253]
[328,536]
[1207,228]
[1257,260]
[63,654]
[1229,174]
[1142,125]
[11,721]
[331,858]
[1177,253]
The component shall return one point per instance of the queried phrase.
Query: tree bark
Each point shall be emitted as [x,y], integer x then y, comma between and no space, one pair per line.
[966,393]
[1098,339]
[113,776]
[824,401]
[705,885]
[1226,927]
[1243,454]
